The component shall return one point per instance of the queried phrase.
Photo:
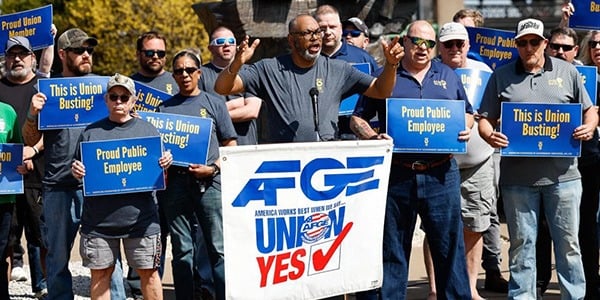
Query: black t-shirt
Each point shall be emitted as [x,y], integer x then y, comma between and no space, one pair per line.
[19,97]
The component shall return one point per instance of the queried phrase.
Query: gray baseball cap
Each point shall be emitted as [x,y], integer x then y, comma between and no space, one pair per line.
[121,80]
[74,38]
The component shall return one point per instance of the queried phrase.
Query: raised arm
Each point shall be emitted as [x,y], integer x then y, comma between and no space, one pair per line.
[383,85]
[228,82]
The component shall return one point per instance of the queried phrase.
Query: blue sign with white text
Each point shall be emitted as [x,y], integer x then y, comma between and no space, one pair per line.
[72,101]
[347,105]
[122,166]
[494,47]
[148,98]
[589,75]
[586,15]
[474,82]
[11,156]
[426,126]
[536,129]
[34,24]
[187,137]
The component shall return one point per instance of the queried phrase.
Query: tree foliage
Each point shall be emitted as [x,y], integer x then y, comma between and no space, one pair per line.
[117,25]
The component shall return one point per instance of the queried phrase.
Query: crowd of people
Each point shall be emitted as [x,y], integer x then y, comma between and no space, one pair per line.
[545,199]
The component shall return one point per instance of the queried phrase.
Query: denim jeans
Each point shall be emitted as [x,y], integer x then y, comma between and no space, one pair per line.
[62,216]
[6,213]
[183,201]
[561,208]
[435,196]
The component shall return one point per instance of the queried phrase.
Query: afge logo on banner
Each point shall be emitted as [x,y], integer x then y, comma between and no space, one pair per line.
[304,220]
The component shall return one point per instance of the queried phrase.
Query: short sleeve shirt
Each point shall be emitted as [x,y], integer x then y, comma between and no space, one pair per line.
[285,88]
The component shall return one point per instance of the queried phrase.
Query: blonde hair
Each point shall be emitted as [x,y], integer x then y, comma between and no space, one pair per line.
[585,56]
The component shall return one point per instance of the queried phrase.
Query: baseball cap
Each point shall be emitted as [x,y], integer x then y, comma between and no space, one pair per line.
[121,80]
[20,41]
[453,31]
[358,23]
[74,38]
[530,26]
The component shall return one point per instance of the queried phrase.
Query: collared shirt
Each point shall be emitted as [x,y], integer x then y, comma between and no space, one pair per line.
[353,54]
[408,87]
[557,82]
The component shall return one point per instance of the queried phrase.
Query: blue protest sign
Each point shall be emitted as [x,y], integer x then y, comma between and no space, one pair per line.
[586,15]
[589,75]
[474,82]
[11,156]
[72,101]
[492,46]
[426,126]
[34,24]
[540,129]
[122,166]
[148,98]
[187,137]
[347,105]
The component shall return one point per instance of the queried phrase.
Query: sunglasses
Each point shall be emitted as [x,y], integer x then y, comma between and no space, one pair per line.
[151,53]
[554,46]
[532,42]
[189,70]
[115,97]
[222,41]
[420,41]
[352,33]
[449,44]
[22,55]
[81,50]
[593,44]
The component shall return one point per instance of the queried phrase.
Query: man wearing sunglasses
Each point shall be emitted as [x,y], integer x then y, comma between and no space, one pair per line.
[292,84]
[243,108]
[356,32]
[527,183]
[62,193]
[476,166]
[16,88]
[563,44]
[423,184]
[151,53]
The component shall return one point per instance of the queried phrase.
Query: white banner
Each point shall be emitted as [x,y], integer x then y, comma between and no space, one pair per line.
[304,220]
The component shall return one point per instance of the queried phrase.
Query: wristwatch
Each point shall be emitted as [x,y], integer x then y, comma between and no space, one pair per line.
[216,169]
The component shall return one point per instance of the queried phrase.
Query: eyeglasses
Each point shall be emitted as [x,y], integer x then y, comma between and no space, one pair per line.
[565,48]
[420,41]
[22,55]
[309,34]
[81,50]
[352,33]
[151,53]
[222,41]
[115,97]
[593,44]
[189,70]
[449,44]
[532,42]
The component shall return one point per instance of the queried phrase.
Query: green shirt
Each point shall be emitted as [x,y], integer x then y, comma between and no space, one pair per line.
[9,133]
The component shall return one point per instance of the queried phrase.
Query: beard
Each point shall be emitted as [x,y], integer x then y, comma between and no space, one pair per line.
[19,74]
[305,53]
[79,70]
[151,69]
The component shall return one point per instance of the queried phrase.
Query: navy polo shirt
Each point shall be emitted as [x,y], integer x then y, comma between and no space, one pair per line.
[408,87]
[353,54]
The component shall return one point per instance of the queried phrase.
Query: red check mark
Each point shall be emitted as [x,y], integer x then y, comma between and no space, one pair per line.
[320,259]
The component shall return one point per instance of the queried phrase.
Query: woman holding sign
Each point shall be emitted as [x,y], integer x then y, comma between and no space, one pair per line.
[131,217]
[194,190]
